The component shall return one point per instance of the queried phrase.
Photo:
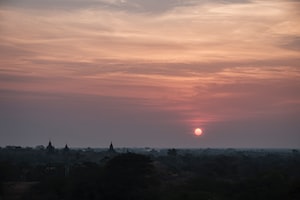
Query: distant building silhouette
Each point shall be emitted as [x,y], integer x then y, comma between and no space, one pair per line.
[50,148]
[66,149]
[109,153]
[111,148]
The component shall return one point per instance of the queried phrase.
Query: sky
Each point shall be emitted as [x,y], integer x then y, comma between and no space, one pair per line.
[144,73]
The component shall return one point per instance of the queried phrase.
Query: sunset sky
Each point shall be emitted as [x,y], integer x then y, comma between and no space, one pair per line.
[148,72]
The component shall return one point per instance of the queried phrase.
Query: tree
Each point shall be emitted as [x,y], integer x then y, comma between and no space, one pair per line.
[128,176]
[172,152]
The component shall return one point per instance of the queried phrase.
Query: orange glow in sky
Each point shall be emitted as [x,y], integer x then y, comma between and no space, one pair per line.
[196,62]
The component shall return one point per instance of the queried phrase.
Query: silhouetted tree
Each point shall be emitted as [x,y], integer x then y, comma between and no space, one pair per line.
[172,152]
[128,176]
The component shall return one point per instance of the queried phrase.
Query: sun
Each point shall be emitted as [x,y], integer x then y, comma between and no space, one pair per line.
[198,132]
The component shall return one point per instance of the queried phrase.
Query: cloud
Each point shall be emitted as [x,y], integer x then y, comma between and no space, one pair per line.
[290,42]
[131,6]
[197,62]
[204,31]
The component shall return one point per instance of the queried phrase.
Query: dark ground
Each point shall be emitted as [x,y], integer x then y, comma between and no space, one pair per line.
[38,174]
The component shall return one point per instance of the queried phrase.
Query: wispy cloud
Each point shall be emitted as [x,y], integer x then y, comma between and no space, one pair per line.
[203,31]
[202,61]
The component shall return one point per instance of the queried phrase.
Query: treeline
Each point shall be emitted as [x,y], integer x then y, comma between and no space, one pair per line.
[172,176]
[235,176]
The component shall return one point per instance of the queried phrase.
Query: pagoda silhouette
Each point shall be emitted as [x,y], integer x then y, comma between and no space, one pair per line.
[50,148]
[66,149]
[111,149]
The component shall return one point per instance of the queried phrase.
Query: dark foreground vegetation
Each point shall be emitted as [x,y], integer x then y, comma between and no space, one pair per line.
[41,174]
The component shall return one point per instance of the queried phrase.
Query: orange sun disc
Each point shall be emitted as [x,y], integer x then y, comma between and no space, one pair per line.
[198,131]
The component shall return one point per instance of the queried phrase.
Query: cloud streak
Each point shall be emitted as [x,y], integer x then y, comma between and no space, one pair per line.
[198,63]
[239,30]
